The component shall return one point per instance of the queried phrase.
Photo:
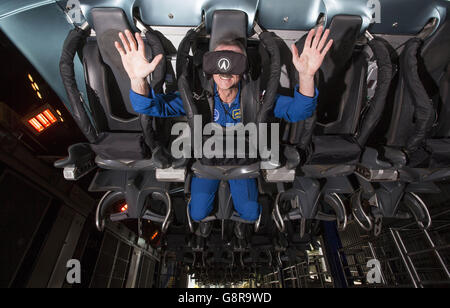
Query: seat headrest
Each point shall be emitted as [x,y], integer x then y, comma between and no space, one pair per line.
[108,22]
[344,30]
[436,51]
[228,25]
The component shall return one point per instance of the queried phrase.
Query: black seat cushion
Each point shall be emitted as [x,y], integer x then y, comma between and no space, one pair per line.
[330,150]
[116,146]
[439,152]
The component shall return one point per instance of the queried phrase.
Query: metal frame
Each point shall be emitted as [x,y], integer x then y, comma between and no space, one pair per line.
[409,256]
[116,257]
[311,273]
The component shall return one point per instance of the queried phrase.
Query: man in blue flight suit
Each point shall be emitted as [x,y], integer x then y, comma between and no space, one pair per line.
[227,108]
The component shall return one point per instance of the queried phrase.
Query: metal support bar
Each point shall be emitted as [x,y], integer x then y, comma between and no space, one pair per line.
[436,252]
[403,255]
[332,247]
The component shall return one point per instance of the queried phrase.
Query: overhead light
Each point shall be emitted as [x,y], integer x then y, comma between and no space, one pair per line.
[39,95]
[36,125]
[31,78]
[49,115]
[58,112]
[36,86]
[155,234]
[42,119]
[124,208]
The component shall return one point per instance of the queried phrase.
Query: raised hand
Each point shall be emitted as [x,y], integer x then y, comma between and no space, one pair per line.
[313,53]
[134,61]
[311,58]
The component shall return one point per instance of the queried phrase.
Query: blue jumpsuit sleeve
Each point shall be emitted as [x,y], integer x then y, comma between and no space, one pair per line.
[158,105]
[297,108]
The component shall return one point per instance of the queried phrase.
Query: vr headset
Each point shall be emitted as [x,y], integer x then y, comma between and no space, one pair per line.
[224,62]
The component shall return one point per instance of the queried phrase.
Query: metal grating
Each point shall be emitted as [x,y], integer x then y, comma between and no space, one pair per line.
[311,273]
[112,264]
[408,256]
[146,273]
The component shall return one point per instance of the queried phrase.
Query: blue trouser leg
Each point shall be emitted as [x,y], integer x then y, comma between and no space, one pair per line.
[244,193]
[245,198]
[203,192]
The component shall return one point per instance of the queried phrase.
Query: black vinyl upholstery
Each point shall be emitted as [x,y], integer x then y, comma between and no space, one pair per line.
[417,148]
[121,142]
[329,150]
[107,25]
[105,97]
[341,82]
[109,122]
[124,134]
[236,27]
[341,78]
[252,110]
[72,45]
[436,60]
[413,114]
[419,123]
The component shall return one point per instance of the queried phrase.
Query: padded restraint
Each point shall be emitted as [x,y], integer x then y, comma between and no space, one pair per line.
[414,113]
[376,105]
[436,59]
[424,112]
[251,108]
[73,43]
[341,78]
[436,51]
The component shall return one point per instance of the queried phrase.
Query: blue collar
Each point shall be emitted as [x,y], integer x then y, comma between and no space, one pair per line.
[236,101]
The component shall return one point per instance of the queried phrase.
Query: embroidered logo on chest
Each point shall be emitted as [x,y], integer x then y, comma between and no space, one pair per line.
[236,114]
[216,115]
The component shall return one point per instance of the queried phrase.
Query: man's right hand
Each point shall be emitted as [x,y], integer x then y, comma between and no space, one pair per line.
[134,61]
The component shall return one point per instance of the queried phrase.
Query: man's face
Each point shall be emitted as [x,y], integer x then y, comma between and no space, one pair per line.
[227,81]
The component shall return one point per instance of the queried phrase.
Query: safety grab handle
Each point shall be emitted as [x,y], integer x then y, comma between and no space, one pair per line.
[378,101]
[74,43]
[269,43]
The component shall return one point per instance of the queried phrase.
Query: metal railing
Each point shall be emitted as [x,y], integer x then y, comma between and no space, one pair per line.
[311,273]
[408,256]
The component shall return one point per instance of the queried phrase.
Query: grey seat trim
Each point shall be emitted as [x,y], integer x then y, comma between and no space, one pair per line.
[226,172]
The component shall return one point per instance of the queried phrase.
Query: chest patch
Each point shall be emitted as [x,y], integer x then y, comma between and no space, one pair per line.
[216,115]
[236,114]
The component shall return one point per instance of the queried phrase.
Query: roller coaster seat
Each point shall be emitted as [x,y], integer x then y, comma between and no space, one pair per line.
[120,138]
[252,112]
[122,143]
[342,86]
[417,140]
[328,146]
[417,149]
